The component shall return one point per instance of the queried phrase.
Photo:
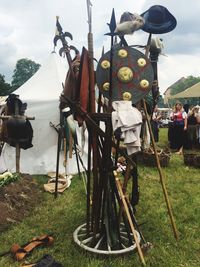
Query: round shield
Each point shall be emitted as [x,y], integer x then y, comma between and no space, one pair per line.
[130,78]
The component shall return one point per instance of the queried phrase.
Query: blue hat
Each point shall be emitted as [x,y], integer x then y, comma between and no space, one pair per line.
[158,20]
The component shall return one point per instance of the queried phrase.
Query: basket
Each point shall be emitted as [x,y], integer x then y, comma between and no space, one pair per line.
[192,159]
[148,158]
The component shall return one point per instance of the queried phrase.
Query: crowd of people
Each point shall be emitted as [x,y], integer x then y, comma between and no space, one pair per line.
[184,127]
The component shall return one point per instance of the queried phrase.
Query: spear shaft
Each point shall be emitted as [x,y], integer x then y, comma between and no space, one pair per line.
[91,56]
[92,110]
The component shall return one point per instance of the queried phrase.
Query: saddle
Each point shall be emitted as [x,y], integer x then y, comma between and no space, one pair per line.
[17,129]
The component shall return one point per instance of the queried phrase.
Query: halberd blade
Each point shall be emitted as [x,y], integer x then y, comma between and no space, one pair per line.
[68,34]
[55,40]
[74,48]
[61,51]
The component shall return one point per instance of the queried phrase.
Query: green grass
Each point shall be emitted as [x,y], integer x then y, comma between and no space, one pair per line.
[62,216]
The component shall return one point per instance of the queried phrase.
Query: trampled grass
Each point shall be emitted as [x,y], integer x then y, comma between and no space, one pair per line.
[62,216]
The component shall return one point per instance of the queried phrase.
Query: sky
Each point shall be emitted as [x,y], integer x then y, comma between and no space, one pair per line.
[27,28]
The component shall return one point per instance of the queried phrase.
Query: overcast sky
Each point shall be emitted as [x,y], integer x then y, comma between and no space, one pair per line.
[27,28]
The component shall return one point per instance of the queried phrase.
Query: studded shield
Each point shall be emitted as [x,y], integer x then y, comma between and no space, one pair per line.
[132,74]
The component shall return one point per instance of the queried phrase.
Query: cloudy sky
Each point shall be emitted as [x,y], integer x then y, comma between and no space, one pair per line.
[27,28]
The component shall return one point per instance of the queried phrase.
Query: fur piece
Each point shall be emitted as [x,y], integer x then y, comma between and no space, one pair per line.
[157,45]
[129,23]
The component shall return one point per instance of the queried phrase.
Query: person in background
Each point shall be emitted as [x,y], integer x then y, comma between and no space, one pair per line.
[155,123]
[186,108]
[179,118]
[193,116]
[192,132]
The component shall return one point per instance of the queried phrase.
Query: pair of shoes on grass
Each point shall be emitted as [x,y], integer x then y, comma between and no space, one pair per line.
[20,252]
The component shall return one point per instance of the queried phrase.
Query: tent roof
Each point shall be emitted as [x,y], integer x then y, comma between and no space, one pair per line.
[46,83]
[193,91]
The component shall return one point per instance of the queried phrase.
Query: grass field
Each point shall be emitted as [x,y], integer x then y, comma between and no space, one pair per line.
[62,216]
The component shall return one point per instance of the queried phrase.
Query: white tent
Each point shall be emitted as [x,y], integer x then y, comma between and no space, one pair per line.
[41,93]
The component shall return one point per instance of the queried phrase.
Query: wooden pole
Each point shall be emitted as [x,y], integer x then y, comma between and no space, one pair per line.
[17,148]
[57,161]
[129,218]
[65,155]
[70,144]
[126,178]
[162,180]
[157,158]
[92,109]
[88,212]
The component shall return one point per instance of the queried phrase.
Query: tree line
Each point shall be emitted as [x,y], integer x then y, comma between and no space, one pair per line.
[184,84]
[181,86]
[24,70]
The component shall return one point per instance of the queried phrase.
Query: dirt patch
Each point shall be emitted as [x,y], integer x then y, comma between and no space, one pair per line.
[17,200]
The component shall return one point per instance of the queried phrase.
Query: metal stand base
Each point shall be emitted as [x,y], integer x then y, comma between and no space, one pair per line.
[98,246]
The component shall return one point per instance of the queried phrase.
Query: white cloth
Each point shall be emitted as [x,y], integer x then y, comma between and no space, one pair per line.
[129,120]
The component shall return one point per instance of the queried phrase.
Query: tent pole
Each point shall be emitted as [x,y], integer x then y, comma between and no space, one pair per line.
[17,148]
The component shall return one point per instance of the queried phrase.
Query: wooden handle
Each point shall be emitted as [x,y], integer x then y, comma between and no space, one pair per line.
[17,147]
[161,174]
[129,218]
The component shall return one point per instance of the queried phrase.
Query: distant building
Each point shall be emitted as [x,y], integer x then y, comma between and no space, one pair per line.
[167,92]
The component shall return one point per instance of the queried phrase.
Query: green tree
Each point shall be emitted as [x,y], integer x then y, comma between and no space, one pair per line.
[24,70]
[184,84]
[5,88]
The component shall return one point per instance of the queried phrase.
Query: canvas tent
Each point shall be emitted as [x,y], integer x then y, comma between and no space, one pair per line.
[191,92]
[41,93]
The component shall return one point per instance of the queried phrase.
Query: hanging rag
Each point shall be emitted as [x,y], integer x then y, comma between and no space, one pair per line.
[129,120]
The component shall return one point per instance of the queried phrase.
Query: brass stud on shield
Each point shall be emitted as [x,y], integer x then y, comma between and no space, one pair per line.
[125,74]
[105,64]
[106,86]
[126,96]
[122,53]
[144,84]
[141,62]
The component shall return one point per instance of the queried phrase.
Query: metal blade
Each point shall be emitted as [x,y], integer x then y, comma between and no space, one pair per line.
[68,34]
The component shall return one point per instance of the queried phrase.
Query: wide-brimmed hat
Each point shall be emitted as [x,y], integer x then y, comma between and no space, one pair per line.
[158,20]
